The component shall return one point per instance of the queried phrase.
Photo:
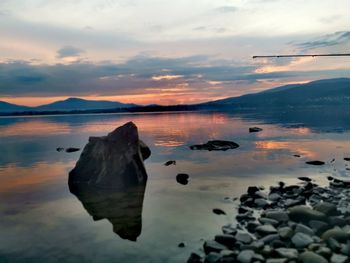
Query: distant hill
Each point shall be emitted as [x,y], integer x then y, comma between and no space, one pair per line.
[81,104]
[8,107]
[70,104]
[328,92]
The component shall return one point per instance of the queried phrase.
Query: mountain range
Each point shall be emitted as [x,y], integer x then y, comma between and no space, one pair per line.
[70,104]
[328,92]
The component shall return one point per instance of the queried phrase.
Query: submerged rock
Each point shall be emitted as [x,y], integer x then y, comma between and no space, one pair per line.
[255,129]
[216,145]
[112,161]
[315,162]
[59,149]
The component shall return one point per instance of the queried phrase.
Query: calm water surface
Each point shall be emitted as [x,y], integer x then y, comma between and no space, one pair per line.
[42,221]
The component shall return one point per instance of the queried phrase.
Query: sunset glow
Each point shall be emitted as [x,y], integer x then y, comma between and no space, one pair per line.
[75,52]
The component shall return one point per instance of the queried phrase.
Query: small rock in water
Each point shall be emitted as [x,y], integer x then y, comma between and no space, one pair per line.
[347,159]
[171,162]
[60,149]
[255,129]
[216,145]
[182,244]
[315,162]
[218,211]
[72,149]
[182,178]
[296,155]
[305,179]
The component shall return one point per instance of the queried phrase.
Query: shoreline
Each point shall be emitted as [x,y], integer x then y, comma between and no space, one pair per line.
[286,223]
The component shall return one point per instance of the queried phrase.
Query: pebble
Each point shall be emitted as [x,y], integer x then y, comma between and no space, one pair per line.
[311,257]
[301,240]
[266,230]
[245,256]
[290,253]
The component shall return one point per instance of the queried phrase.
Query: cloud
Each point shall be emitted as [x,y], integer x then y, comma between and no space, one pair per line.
[69,51]
[329,40]
[186,77]
[226,9]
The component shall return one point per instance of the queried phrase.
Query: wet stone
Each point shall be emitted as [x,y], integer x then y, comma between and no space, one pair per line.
[245,256]
[269,221]
[279,216]
[289,253]
[227,240]
[304,229]
[244,238]
[266,230]
[212,257]
[285,232]
[301,240]
[311,257]
[194,258]
[213,246]
[327,208]
[338,258]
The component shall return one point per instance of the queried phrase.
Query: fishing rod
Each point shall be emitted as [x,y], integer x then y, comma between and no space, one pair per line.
[300,56]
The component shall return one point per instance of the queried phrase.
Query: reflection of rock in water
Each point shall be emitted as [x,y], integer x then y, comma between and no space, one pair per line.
[122,208]
[110,179]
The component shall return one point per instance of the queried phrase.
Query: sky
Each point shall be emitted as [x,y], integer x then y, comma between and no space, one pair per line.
[165,52]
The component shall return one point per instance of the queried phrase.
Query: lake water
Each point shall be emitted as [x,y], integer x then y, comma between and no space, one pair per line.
[42,221]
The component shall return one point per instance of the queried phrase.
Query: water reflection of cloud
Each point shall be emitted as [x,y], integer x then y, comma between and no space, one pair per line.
[295,147]
[14,178]
[34,127]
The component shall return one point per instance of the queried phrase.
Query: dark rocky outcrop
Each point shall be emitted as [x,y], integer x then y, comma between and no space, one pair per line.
[113,161]
[216,145]
[110,179]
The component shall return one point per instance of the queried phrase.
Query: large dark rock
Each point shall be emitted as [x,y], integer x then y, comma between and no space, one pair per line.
[112,161]
[216,145]
[110,179]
